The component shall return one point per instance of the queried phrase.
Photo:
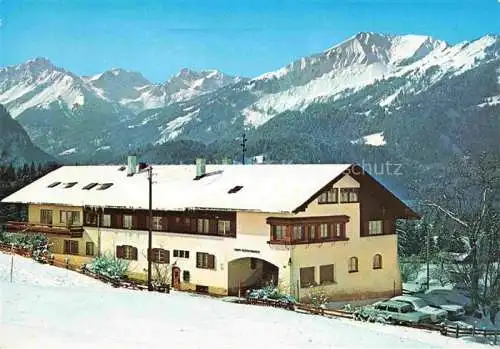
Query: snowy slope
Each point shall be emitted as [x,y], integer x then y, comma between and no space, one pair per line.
[47,307]
[358,62]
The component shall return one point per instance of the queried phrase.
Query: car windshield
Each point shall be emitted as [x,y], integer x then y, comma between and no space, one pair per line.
[419,303]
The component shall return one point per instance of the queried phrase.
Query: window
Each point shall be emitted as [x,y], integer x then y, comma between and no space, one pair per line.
[338,230]
[329,197]
[90,218]
[70,184]
[349,195]
[55,184]
[127,221]
[323,231]
[235,189]
[224,227]
[89,248]
[126,252]
[353,264]
[70,247]
[377,261]
[157,221]
[279,232]
[69,217]
[312,232]
[185,276]
[89,186]
[205,260]
[45,216]
[106,220]
[326,274]
[203,226]
[160,256]
[307,277]
[181,253]
[375,227]
[104,186]
[297,232]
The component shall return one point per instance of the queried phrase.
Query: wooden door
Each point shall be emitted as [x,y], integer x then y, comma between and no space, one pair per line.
[176,277]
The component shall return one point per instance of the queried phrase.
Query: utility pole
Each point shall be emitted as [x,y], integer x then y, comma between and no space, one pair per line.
[243,148]
[150,233]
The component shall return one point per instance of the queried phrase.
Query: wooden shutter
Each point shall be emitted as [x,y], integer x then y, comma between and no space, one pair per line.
[388,227]
[135,220]
[199,259]
[67,246]
[164,223]
[167,256]
[119,251]
[134,253]
[211,261]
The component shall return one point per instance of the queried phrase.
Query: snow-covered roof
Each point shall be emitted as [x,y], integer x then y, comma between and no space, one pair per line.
[266,188]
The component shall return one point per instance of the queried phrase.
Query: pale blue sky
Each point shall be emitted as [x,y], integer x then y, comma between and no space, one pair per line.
[159,37]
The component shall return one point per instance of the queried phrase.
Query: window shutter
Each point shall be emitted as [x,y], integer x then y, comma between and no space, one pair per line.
[66,246]
[146,219]
[167,256]
[135,220]
[388,227]
[211,261]
[119,251]
[164,223]
[199,258]
[134,253]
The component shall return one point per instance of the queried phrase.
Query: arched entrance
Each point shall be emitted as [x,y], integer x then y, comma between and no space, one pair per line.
[176,277]
[250,273]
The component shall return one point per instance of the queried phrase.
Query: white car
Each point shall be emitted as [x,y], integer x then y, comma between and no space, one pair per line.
[455,311]
[436,314]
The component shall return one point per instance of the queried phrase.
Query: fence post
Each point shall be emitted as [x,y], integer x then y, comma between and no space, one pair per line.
[456,331]
[495,338]
[473,330]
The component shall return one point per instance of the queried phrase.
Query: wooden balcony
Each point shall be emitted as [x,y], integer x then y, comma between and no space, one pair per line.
[72,231]
[290,241]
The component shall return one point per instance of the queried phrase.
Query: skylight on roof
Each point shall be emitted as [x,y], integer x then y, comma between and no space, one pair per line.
[55,184]
[235,189]
[89,186]
[122,168]
[104,186]
[70,184]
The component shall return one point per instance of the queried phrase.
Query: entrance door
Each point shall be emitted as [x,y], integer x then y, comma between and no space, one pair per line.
[176,277]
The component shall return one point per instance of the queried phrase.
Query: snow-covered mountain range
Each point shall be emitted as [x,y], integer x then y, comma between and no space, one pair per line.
[367,77]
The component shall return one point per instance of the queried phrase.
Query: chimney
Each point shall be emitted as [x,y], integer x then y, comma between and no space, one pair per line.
[131,167]
[200,167]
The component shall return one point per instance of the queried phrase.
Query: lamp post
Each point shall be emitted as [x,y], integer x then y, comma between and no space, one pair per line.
[243,148]
[150,225]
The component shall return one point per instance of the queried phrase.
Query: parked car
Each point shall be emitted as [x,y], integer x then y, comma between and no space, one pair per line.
[392,312]
[437,314]
[451,297]
[454,311]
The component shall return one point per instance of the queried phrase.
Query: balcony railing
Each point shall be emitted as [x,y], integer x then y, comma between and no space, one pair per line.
[74,231]
[290,241]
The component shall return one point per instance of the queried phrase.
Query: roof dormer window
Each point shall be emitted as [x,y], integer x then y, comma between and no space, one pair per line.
[235,189]
[70,185]
[55,184]
[89,186]
[104,186]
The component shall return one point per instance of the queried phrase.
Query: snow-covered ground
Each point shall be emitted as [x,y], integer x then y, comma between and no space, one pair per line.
[47,307]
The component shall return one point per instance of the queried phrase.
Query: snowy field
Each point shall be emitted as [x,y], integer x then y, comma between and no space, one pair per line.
[50,308]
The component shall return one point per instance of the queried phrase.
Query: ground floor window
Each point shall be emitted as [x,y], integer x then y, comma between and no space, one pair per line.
[70,247]
[326,274]
[126,252]
[181,253]
[205,260]
[353,264]
[307,277]
[89,248]
[377,261]
[161,256]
